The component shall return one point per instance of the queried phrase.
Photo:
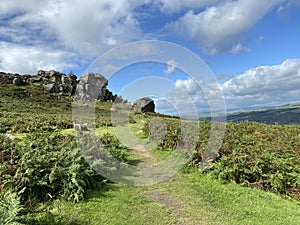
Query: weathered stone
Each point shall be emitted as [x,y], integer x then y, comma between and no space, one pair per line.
[145,104]
[51,88]
[118,99]
[17,81]
[65,84]
[91,86]
[36,79]
[8,78]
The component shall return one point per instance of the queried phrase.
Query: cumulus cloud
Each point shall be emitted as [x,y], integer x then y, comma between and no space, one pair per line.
[219,28]
[258,87]
[239,48]
[265,85]
[28,59]
[86,30]
[206,95]
[65,27]
[93,28]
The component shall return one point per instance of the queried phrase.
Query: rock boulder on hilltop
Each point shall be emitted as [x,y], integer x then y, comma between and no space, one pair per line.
[91,86]
[144,104]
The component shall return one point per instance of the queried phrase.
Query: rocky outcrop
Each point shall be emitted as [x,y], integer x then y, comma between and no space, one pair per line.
[51,88]
[145,104]
[16,79]
[56,82]
[110,97]
[50,81]
[90,86]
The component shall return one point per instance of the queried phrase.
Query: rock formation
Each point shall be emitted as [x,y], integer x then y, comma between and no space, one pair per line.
[56,82]
[144,104]
[16,79]
[50,81]
[90,86]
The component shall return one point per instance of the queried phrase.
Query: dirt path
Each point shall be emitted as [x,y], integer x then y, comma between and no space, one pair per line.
[144,155]
[173,204]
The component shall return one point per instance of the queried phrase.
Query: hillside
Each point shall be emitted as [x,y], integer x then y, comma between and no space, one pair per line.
[254,180]
[288,114]
[281,115]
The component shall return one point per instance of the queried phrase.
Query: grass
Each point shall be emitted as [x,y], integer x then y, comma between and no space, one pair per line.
[117,204]
[161,154]
[230,204]
[201,200]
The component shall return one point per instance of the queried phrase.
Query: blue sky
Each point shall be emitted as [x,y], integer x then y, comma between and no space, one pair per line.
[252,47]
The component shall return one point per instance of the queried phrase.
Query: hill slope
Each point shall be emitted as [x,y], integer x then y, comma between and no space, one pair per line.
[280,115]
[255,155]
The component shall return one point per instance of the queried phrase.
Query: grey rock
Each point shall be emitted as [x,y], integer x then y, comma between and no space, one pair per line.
[8,78]
[51,88]
[118,99]
[56,82]
[91,86]
[144,104]
[17,81]
[36,79]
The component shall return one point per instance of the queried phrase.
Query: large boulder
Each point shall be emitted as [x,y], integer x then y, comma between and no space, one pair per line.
[17,81]
[91,86]
[51,88]
[144,104]
[68,84]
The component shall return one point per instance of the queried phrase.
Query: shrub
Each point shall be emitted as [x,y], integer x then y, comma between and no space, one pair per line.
[261,156]
[10,208]
[115,147]
[46,165]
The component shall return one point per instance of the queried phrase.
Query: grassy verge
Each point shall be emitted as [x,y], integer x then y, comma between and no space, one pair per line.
[201,200]
[117,204]
[207,198]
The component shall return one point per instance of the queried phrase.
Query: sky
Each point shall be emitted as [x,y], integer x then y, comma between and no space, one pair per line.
[251,47]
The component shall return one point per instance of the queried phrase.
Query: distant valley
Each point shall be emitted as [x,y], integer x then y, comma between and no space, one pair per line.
[287,114]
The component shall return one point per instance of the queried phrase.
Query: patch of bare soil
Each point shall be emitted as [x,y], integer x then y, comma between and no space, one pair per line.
[172,203]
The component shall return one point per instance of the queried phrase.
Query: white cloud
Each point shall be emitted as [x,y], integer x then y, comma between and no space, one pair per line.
[73,26]
[23,59]
[219,28]
[174,6]
[197,94]
[238,48]
[265,85]
[86,30]
[259,87]
[171,67]
[93,28]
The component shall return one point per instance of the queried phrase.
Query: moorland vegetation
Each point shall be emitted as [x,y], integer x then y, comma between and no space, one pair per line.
[43,174]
